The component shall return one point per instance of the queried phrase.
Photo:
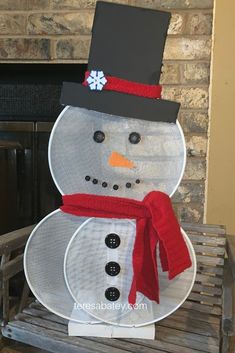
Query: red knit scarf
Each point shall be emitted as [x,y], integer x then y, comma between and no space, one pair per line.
[155,222]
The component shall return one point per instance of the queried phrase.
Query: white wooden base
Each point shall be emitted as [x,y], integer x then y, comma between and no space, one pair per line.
[90,327]
[106,330]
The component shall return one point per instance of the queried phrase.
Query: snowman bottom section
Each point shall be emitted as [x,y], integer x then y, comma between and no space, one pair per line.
[80,265]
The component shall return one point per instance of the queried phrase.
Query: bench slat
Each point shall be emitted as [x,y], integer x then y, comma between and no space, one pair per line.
[53,340]
[210,260]
[191,326]
[45,315]
[207,279]
[188,315]
[204,228]
[205,298]
[209,269]
[207,289]
[164,346]
[209,250]
[213,310]
[185,339]
[206,239]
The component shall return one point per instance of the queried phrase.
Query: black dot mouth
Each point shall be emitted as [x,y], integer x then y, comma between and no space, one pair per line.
[104,184]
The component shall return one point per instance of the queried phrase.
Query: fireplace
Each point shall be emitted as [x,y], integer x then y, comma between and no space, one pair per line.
[29,105]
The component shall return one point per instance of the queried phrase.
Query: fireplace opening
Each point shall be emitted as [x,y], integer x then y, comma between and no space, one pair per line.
[29,106]
[31,92]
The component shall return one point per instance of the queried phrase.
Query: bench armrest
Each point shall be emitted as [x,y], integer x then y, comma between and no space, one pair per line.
[231,253]
[228,288]
[11,253]
[227,314]
[14,240]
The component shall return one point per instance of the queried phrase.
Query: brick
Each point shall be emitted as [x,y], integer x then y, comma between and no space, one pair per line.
[66,23]
[199,23]
[190,213]
[12,24]
[195,169]
[73,49]
[25,48]
[150,4]
[15,5]
[185,48]
[190,192]
[193,121]
[188,97]
[170,73]
[195,73]
[176,24]
[72,4]
[38,4]
[187,4]
[78,4]
[196,145]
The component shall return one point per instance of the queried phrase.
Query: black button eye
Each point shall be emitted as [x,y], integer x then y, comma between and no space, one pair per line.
[99,136]
[134,138]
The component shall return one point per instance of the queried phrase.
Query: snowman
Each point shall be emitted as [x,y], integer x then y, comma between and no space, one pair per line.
[115,250]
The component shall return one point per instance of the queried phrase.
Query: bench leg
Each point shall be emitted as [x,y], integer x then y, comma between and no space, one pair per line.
[225,344]
[24,297]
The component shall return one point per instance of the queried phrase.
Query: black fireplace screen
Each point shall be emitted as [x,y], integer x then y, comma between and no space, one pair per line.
[29,105]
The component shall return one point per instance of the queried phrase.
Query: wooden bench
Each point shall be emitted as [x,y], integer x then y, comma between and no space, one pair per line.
[203,324]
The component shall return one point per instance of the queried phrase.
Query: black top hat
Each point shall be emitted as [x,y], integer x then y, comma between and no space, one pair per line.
[127,43]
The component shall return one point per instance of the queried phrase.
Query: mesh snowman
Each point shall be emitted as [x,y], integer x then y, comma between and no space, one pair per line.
[116,154]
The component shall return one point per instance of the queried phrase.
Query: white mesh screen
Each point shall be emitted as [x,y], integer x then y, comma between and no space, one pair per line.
[85,260]
[84,269]
[159,158]
[65,256]
[87,280]
[43,261]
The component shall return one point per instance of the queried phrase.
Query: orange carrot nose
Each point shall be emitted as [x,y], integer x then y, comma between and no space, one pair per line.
[117,160]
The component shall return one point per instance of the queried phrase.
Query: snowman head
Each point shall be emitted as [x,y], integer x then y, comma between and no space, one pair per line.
[97,153]
[114,137]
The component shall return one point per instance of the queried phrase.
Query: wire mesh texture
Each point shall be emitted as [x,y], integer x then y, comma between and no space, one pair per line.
[159,158]
[64,264]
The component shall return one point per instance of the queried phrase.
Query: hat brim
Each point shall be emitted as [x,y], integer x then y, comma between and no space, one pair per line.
[119,104]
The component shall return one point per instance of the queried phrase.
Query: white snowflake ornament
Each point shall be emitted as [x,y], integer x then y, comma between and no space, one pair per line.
[96,80]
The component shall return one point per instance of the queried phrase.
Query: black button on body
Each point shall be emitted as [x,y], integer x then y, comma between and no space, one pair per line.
[112,268]
[112,241]
[112,294]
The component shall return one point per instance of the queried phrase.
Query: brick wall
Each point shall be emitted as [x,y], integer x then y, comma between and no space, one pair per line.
[59,31]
